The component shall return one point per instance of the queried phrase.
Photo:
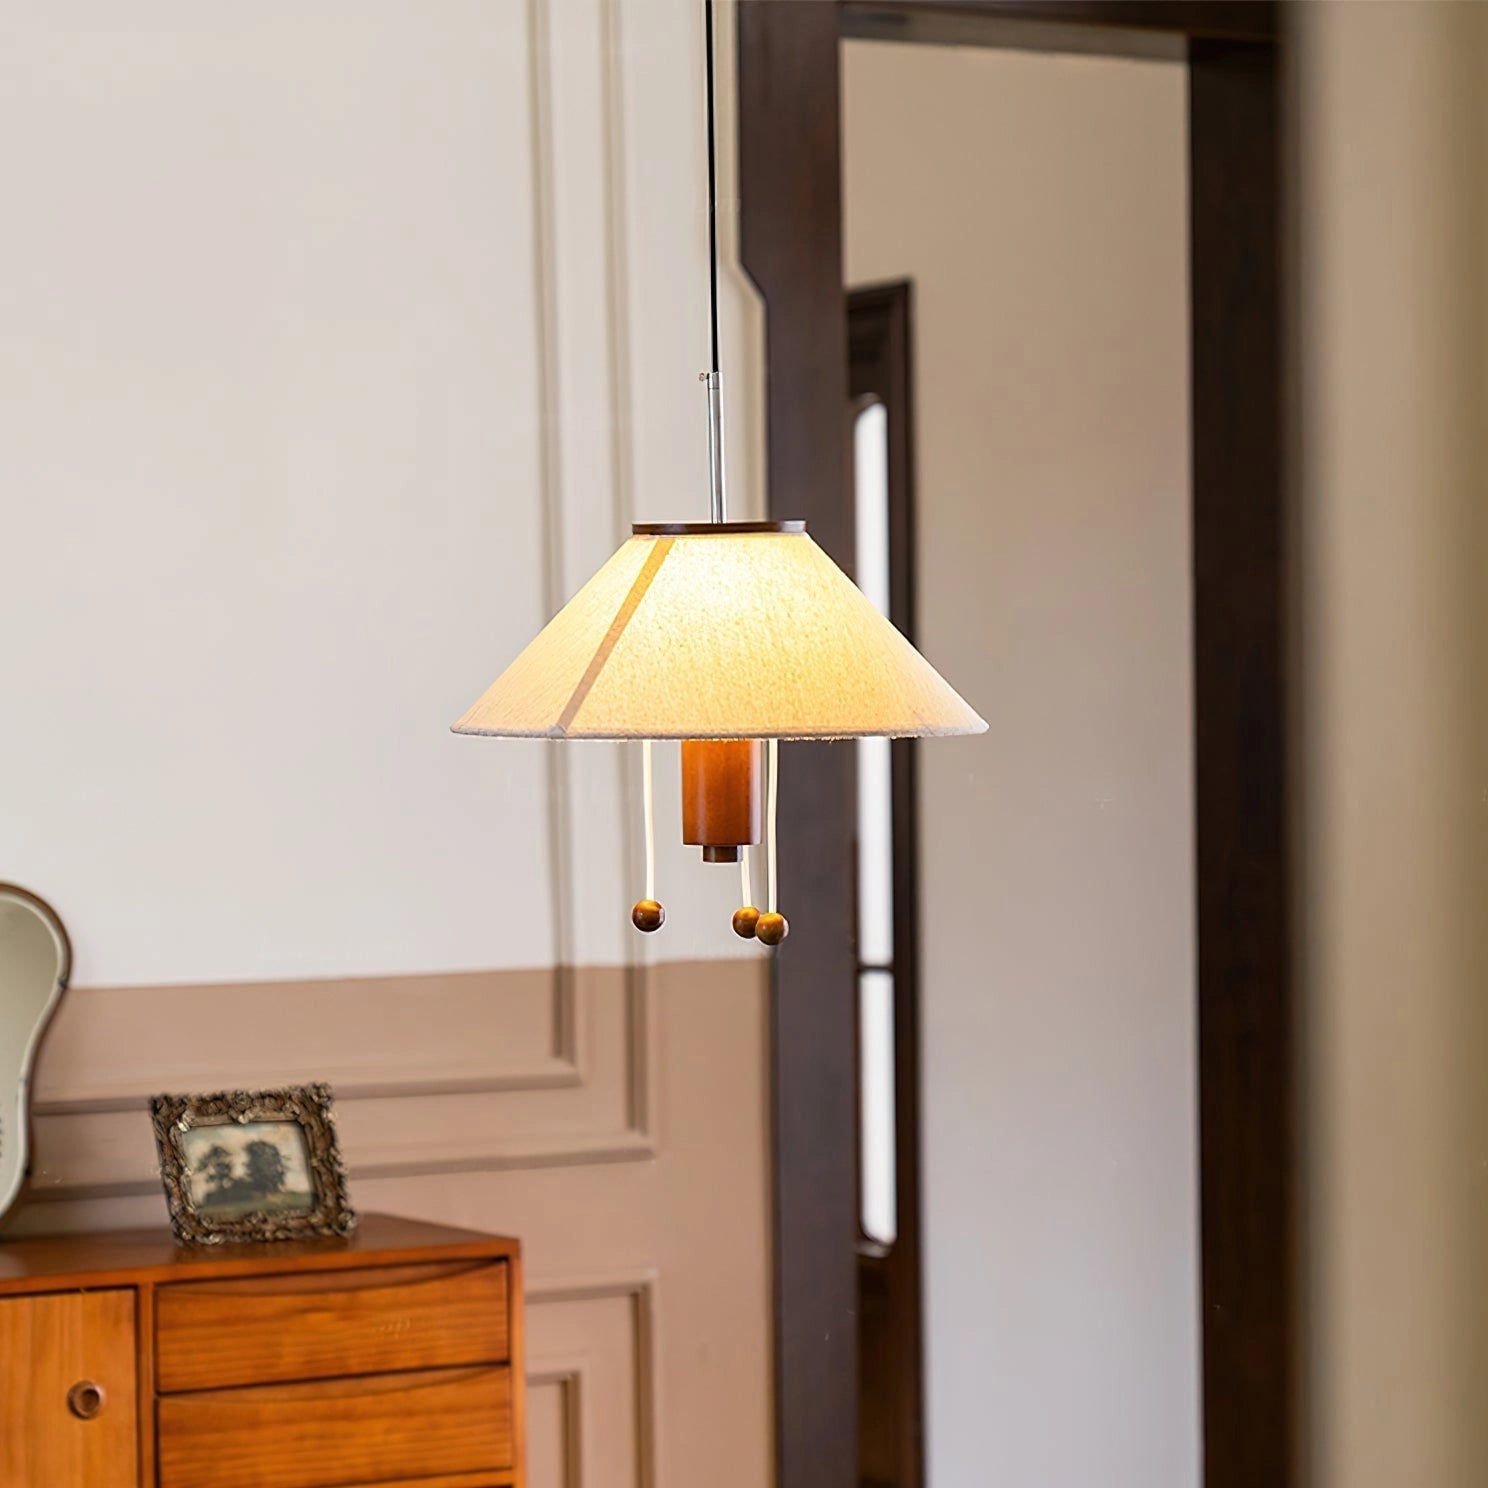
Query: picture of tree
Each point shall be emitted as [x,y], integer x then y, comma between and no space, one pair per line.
[216,1166]
[265,1165]
[249,1167]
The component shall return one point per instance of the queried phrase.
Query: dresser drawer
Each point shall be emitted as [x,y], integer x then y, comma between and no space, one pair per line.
[326,1324]
[332,1433]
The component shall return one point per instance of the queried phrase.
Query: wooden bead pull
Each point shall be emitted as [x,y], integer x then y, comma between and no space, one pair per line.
[648,915]
[771,929]
[745,920]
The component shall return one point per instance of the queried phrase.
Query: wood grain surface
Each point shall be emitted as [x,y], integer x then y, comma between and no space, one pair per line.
[391,1357]
[337,1432]
[309,1326]
[48,1345]
[127,1257]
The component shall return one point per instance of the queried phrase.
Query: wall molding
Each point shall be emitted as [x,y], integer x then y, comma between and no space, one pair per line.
[638,1289]
[464,1130]
[374,1076]
[543,174]
[566,1375]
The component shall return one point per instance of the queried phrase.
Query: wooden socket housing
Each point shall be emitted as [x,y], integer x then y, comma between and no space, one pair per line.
[722,797]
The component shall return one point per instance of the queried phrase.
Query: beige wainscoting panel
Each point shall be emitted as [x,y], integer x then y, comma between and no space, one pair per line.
[472,1031]
[420,1104]
[641,1194]
[553,1426]
[591,1376]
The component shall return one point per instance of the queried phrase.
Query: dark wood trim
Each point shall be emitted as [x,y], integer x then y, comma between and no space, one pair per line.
[1240,693]
[1235,20]
[791,240]
[790,232]
[922,23]
[880,362]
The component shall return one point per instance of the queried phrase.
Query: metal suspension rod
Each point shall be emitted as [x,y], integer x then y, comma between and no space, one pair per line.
[717,496]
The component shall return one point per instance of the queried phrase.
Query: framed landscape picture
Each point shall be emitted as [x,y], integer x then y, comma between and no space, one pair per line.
[252,1165]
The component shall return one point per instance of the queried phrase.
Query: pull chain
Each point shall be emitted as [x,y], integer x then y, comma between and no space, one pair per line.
[772,927]
[648,914]
[648,798]
[746,917]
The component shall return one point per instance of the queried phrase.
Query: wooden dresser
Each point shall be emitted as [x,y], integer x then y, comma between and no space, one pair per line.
[390,1358]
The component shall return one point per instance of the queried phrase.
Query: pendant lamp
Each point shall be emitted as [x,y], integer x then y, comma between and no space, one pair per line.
[728,636]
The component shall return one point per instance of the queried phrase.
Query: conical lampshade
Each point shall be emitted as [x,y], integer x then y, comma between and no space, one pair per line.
[719,631]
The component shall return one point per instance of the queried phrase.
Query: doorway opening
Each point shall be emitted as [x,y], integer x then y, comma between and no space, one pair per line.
[791,235]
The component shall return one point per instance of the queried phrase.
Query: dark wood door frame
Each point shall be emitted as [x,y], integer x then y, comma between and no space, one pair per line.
[791,244]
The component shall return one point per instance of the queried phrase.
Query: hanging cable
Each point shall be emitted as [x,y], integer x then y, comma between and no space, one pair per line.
[712,182]
[717,496]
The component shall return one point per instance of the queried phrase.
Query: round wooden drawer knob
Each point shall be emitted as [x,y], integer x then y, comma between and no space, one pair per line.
[86,1400]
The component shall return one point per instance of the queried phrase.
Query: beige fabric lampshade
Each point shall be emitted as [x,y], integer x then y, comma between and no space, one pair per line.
[719,633]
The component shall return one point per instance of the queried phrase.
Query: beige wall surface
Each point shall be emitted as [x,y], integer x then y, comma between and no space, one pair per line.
[1039,205]
[1393,598]
[341,343]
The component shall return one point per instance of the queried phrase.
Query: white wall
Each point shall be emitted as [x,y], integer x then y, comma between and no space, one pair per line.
[1039,205]
[341,343]
[338,344]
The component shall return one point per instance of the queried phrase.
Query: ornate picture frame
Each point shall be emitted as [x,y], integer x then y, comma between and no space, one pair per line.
[252,1165]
